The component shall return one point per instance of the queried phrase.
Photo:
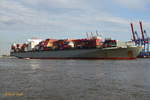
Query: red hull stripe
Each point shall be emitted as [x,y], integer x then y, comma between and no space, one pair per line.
[113,58]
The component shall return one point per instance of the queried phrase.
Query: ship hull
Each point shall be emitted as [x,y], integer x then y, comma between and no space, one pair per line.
[105,53]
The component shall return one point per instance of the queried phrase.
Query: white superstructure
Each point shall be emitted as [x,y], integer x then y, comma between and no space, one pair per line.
[32,43]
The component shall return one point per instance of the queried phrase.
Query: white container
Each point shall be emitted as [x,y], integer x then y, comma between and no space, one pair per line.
[121,44]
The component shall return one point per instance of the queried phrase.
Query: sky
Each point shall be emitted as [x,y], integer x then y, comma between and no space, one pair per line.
[24,19]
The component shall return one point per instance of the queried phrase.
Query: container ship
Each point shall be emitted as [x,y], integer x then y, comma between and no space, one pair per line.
[87,48]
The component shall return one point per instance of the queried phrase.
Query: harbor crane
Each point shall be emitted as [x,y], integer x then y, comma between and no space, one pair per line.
[143,41]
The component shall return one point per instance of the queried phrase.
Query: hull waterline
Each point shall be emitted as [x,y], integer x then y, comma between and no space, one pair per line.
[128,53]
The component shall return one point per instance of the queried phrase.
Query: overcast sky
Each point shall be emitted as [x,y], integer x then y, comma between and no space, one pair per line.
[23,19]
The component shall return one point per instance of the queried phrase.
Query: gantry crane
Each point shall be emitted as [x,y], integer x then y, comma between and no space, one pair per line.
[143,41]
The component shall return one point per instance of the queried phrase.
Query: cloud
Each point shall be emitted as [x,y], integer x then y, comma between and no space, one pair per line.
[59,16]
[79,16]
[56,3]
[133,4]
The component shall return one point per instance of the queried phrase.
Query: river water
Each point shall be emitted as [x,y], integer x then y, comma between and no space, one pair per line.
[74,79]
